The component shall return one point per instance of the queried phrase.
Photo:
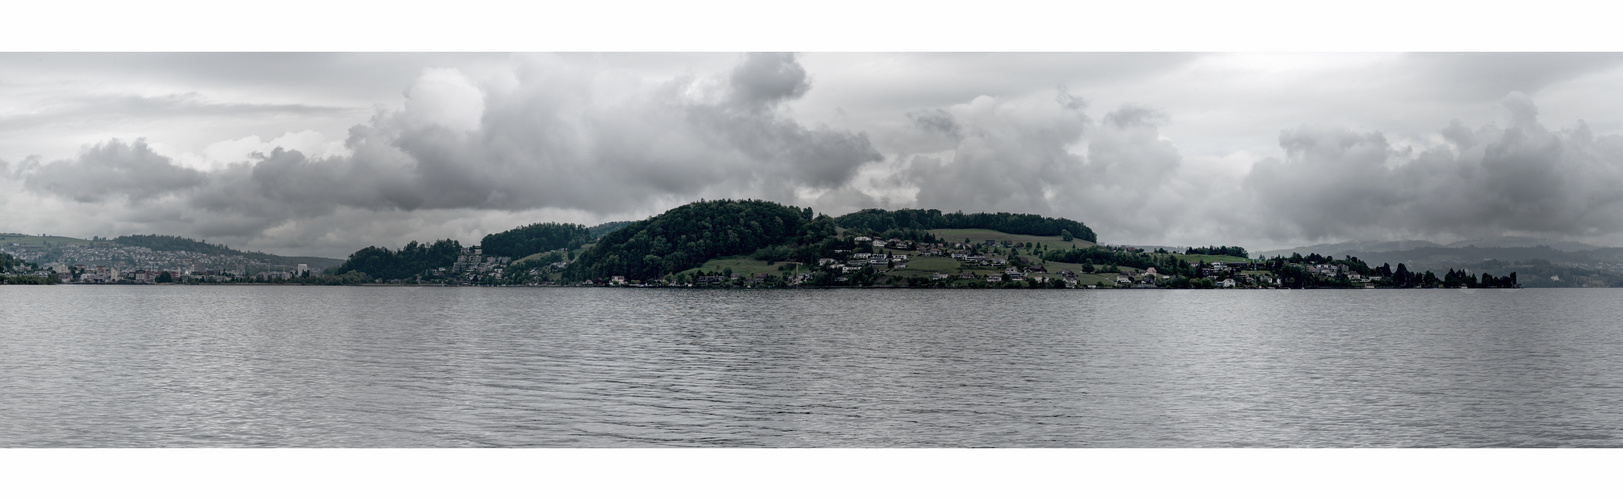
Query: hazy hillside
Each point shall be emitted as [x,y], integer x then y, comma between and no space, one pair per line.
[166,243]
[1344,248]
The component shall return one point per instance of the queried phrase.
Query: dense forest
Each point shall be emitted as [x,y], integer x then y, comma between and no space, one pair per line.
[879,220]
[410,261]
[689,235]
[535,238]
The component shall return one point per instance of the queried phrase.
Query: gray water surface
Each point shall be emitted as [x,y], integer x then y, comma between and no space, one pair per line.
[241,366]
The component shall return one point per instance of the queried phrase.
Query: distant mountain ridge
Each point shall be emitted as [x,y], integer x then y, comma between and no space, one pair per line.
[1346,247]
[1524,242]
[1539,262]
[1343,248]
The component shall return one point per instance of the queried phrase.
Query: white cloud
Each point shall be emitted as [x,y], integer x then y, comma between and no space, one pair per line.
[443,96]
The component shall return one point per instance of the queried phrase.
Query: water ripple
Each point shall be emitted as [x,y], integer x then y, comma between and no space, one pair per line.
[84,366]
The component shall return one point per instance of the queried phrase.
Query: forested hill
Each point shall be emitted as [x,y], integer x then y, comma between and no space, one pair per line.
[689,235]
[165,243]
[412,260]
[535,238]
[879,220]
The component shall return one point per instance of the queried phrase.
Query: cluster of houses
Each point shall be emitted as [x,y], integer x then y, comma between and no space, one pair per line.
[858,260]
[106,263]
[102,275]
[472,264]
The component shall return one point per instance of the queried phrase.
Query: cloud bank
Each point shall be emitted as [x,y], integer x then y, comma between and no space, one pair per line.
[481,148]
[1518,179]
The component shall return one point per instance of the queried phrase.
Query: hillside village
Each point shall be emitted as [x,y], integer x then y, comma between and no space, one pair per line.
[100,262]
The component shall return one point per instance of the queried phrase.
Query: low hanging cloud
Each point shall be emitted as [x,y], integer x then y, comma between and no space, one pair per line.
[113,169]
[1335,183]
[543,134]
[1044,154]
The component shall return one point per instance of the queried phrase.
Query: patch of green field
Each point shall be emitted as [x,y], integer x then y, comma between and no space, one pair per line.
[932,264]
[7,239]
[1055,267]
[981,235]
[1096,279]
[746,266]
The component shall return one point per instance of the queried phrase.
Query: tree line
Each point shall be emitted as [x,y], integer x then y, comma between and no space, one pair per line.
[1217,250]
[535,238]
[410,261]
[880,220]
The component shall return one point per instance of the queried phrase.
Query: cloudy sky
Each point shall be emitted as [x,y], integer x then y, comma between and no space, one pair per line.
[324,153]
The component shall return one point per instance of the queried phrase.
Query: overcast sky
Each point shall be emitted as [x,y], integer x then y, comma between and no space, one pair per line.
[325,153]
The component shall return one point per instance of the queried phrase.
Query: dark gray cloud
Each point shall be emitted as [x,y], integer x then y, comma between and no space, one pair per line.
[110,170]
[1524,178]
[767,78]
[1134,115]
[937,121]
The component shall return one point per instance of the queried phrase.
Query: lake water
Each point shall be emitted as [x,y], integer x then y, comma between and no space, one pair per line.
[239,366]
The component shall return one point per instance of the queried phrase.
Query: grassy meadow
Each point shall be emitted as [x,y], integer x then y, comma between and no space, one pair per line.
[7,239]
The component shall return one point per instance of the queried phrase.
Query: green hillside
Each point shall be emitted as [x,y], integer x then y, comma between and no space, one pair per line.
[687,236]
[7,239]
[535,238]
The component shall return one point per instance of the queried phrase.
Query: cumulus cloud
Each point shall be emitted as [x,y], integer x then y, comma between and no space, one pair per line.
[1044,154]
[1005,155]
[543,134]
[108,170]
[1524,178]
[769,79]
